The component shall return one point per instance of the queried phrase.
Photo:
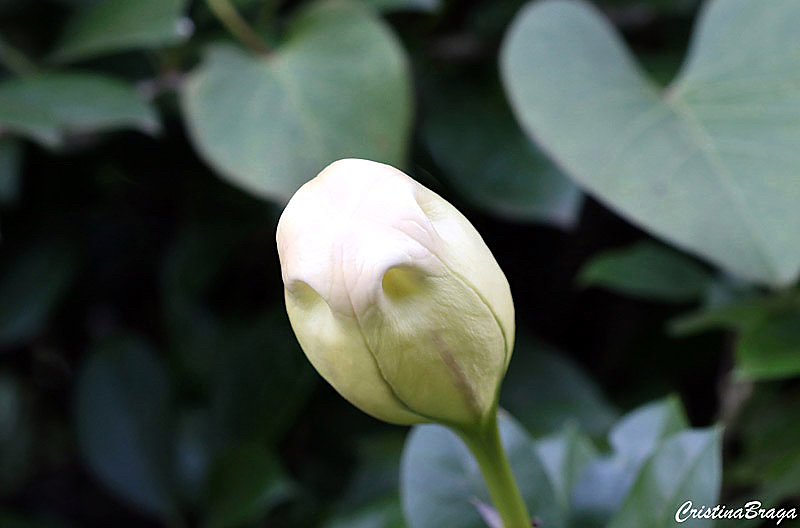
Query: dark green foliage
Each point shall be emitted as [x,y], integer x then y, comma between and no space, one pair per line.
[148,372]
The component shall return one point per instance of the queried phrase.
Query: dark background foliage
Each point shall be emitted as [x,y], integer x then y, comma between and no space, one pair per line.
[148,375]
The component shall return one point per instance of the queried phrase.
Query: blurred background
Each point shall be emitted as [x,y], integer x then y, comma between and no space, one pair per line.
[148,375]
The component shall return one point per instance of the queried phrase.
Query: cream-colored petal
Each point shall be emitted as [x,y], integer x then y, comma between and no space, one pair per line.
[468,256]
[333,343]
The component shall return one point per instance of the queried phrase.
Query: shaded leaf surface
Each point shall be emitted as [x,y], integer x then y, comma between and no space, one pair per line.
[30,288]
[545,391]
[47,106]
[244,484]
[10,160]
[471,133]
[647,270]
[117,25]
[123,423]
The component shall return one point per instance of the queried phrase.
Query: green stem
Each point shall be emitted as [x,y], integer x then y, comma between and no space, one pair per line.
[231,18]
[484,443]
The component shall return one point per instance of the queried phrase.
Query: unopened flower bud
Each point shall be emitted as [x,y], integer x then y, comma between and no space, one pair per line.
[394,296]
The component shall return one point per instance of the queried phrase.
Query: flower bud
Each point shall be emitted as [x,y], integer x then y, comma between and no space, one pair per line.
[394,296]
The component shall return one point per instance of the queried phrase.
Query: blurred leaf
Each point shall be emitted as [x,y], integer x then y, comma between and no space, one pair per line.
[192,456]
[16,435]
[377,472]
[13,520]
[10,161]
[771,349]
[47,106]
[768,344]
[656,5]
[545,391]
[565,456]
[262,379]
[244,484]
[639,432]
[711,165]
[111,26]
[740,314]
[190,267]
[649,271]
[471,133]
[31,286]
[339,87]
[770,446]
[606,481]
[405,5]
[439,478]
[687,466]
[384,514]
[123,424]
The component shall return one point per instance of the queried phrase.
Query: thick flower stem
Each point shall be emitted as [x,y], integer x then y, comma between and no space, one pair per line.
[484,443]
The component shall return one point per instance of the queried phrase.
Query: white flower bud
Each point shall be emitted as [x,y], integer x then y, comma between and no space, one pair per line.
[394,297]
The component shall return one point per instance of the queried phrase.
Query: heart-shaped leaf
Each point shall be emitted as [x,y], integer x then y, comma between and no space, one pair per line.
[339,87]
[710,165]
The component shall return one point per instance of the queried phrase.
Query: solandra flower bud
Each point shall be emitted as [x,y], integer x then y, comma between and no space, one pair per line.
[394,296]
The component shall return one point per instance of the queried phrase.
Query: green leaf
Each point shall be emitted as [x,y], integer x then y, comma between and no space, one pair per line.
[244,484]
[123,424]
[10,161]
[383,514]
[769,460]
[688,466]
[545,391]
[111,26]
[377,472]
[606,481]
[191,266]
[565,456]
[471,133]
[339,87]
[16,435]
[13,520]
[261,381]
[741,315]
[48,106]
[405,5]
[771,349]
[439,478]
[649,271]
[31,286]
[192,456]
[640,431]
[711,164]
